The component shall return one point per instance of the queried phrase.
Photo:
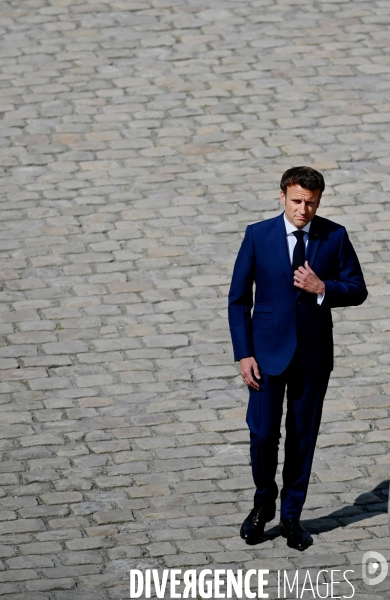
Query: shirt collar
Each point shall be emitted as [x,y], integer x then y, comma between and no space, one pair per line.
[290,228]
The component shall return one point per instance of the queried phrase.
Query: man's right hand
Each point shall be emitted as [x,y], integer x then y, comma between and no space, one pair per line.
[248,368]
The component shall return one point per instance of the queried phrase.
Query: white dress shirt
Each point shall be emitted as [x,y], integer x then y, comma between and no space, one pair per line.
[292,240]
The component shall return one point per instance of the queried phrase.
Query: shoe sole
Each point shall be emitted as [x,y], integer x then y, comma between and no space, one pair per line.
[284,534]
[251,541]
[254,540]
[301,549]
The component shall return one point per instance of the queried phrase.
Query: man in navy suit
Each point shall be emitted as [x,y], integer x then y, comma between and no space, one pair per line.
[302,265]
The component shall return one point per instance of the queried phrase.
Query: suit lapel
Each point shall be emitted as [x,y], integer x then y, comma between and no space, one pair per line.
[282,248]
[314,242]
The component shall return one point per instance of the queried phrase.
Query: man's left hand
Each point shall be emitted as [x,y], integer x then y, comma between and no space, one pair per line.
[307,280]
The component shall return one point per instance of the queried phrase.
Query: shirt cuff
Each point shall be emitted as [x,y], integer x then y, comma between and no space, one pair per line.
[320,299]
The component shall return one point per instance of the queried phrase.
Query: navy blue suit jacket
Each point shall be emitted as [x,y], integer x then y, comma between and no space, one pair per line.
[285,318]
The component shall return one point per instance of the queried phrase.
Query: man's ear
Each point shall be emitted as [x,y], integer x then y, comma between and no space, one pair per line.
[282,198]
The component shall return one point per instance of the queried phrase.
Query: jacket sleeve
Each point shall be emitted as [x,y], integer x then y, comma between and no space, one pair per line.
[241,298]
[349,289]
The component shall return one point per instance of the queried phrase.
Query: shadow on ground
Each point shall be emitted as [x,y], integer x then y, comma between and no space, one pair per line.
[367,505]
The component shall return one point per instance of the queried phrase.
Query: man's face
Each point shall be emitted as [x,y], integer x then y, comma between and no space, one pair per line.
[300,204]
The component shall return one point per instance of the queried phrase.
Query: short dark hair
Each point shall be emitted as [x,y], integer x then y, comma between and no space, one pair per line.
[306,177]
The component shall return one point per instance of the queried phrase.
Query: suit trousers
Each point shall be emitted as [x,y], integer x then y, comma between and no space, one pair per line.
[305,395]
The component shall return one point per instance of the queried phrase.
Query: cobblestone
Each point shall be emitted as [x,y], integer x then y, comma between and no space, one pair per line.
[137,141]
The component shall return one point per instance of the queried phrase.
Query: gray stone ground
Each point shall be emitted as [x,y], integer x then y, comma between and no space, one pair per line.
[138,138]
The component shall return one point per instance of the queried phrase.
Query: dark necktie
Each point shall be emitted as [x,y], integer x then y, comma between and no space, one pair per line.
[298,259]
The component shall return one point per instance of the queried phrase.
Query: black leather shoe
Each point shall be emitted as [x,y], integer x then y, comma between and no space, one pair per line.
[253,527]
[297,536]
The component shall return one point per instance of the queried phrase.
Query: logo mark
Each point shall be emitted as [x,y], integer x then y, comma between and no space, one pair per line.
[371,562]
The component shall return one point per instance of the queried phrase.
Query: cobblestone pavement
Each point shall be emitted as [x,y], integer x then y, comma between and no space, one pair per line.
[138,138]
